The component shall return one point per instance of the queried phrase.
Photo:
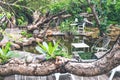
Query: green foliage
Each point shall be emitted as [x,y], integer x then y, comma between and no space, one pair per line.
[72,7]
[26,34]
[19,10]
[93,2]
[57,7]
[21,2]
[8,15]
[6,53]
[103,27]
[51,50]
[102,11]
[21,21]
[1,15]
[39,5]
[117,7]
[89,10]
[114,13]
[4,25]
[65,26]
[22,10]
[86,55]
[23,16]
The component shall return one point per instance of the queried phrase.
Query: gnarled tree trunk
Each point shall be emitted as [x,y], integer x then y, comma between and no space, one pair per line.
[92,6]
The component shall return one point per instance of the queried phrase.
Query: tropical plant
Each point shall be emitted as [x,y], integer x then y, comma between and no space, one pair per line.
[51,50]
[6,53]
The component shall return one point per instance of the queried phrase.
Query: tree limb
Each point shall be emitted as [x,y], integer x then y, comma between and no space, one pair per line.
[46,20]
[43,20]
[107,62]
[92,6]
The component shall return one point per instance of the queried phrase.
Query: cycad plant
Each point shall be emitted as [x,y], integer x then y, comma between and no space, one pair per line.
[6,53]
[51,50]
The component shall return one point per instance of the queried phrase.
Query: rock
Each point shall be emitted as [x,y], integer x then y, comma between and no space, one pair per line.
[40,57]
[39,40]
[31,27]
[36,31]
[31,40]
[4,40]
[12,62]
[49,32]
[3,43]
[40,36]
[11,35]
[29,59]
[25,44]
[16,46]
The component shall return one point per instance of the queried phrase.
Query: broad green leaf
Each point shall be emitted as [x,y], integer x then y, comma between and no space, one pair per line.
[42,46]
[46,45]
[55,47]
[50,48]
[40,50]
[48,57]
[6,48]
[1,52]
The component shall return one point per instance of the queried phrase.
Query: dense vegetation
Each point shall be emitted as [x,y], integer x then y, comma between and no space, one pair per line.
[108,10]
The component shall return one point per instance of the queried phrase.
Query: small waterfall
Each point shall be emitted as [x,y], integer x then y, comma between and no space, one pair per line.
[21,77]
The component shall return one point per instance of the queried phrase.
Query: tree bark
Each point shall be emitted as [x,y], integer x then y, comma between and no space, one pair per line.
[109,61]
[43,20]
[92,6]
[46,20]
[94,12]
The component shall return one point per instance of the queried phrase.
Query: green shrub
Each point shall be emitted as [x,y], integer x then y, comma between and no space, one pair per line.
[51,50]
[86,55]
[6,53]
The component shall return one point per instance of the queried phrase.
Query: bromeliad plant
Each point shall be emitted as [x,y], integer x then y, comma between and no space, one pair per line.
[6,53]
[51,50]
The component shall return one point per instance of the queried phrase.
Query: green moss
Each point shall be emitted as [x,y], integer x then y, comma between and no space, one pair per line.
[86,55]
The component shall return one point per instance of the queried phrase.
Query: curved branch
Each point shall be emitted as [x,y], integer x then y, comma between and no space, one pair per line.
[94,12]
[49,18]
[42,21]
[107,62]
[16,66]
